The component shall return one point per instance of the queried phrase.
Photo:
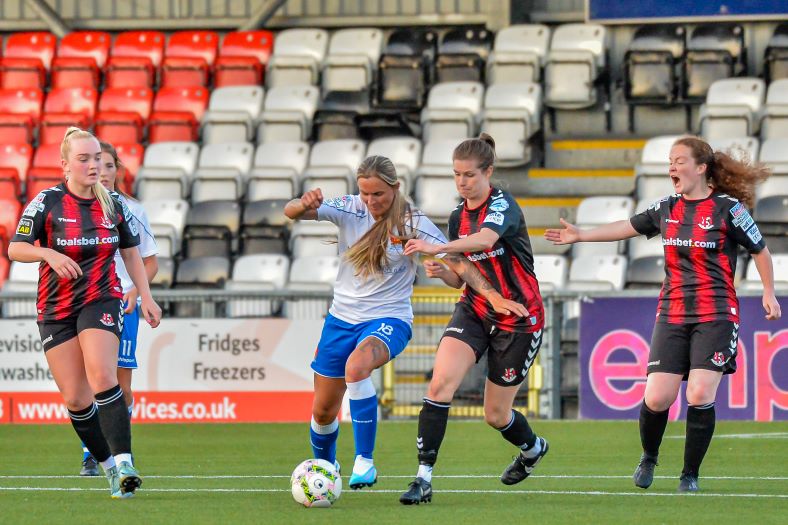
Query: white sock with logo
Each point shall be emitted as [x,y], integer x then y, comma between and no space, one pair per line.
[425,473]
[534,450]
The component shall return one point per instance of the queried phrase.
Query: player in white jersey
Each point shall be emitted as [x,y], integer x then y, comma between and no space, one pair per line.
[111,177]
[369,322]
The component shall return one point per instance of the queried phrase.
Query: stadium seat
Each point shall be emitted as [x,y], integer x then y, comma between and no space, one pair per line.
[641,246]
[651,188]
[316,274]
[406,69]
[453,111]
[436,195]
[518,54]
[332,166]
[774,154]
[264,227]
[436,158]
[242,58]
[134,59]
[20,112]
[575,62]
[597,272]
[10,210]
[298,54]
[26,60]
[39,179]
[188,58]
[752,279]
[646,272]
[775,62]
[81,56]
[212,228]
[404,153]
[732,109]
[122,114]
[5,264]
[714,51]
[340,113]
[312,238]
[654,159]
[10,185]
[66,107]
[233,112]
[774,121]
[277,171]
[201,273]
[24,272]
[131,156]
[287,114]
[168,171]
[166,274]
[167,218]
[221,171]
[18,157]
[259,272]
[512,114]
[352,61]
[595,211]
[47,156]
[462,55]
[653,65]
[551,271]
[177,112]
[771,214]
[740,148]
[22,277]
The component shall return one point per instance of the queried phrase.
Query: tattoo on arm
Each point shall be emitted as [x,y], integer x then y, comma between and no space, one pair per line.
[469,273]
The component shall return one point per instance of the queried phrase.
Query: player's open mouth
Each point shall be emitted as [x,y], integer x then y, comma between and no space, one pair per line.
[675,180]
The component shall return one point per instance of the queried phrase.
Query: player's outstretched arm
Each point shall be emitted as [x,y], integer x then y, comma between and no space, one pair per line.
[306,206]
[763,263]
[570,234]
[468,272]
[484,239]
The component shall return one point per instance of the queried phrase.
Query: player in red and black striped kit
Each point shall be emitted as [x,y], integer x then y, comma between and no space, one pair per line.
[696,333]
[78,226]
[488,229]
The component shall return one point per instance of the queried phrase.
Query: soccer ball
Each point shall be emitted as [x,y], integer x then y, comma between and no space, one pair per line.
[316,483]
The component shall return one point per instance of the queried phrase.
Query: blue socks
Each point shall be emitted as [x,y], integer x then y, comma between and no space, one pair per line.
[324,440]
[364,414]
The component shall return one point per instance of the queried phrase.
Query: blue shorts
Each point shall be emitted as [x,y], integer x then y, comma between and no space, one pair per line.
[127,352]
[339,339]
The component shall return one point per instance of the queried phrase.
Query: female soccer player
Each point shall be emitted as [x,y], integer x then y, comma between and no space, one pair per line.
[696,332]
[487,229]
[79,226]
[111,177]
[369,322]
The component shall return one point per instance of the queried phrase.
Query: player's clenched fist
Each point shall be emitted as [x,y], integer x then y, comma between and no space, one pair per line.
[312,199]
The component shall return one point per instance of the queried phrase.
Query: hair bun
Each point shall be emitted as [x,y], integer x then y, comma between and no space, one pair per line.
[488,139]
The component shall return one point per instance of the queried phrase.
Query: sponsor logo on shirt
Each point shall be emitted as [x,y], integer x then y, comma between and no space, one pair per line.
[33,208]
[63,219]
[671,221]
[454,329]
[25,227]
[738,210]
[486,255]
[688,243]
[499,205]
[87,241]
[754,234]
[495,218]
[656,204]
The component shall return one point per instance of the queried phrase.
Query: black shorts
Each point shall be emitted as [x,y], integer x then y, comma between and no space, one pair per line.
[104,314]
[679,348]
[510,355]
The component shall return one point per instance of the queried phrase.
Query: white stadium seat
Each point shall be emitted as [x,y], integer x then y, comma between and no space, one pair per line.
[277,170]
[167,170]
[733,108]
[233,113]
[512,114]
[352,59]
[595,211]
[774,123]
[221,171]
[404,153]
[259,272]
[313,238]
[655,158]
[551,271]
[288,113]
[298,54]
[740,148]
[576,57]
[315,274]
[597,272]
[167,217]
[453,111]
[332,166]
[518,54]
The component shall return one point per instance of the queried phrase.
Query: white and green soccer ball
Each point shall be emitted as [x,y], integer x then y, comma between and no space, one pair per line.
[316,483]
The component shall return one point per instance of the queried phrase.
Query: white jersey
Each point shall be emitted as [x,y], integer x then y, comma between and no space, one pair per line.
[147,246]
[357,300]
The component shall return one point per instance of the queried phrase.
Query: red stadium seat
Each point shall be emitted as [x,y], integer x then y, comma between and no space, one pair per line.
[47,156]
[66,107]
[20,111]
[10,187]
[80,58]
[242,58]
[9,215]
[5,264]
[22,73]
[188,58]
[39,179]
[177,113]
[38,45]
[17,156]
[131,156]
[134,59]
[122,114]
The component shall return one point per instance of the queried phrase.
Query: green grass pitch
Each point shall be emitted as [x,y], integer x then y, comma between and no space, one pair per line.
[240,474]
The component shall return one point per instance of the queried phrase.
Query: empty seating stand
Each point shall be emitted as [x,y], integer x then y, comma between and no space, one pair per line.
[135,59]
[242,58]
[518,54]
[80,59]
[233,113]
[297,57]
[714,51]
[406,69]
[453,111]
[189,57]
[27,60]
[277,170]
[64,107]
[776,54]
[774,121]
[733,108]
[462,55]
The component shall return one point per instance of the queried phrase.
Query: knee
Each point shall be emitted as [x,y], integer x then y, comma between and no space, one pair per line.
[699,394]
[440,389]
[355,372]
[322,415]
[659,401]
[77,400]
[103,381]
[497,417]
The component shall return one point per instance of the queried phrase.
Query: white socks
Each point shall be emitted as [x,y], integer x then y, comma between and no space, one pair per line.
[534,450]
[107,464]
[362,465]
[425,473]
[120,458]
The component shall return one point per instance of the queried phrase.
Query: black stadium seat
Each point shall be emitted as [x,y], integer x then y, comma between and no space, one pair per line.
[462,55]
[211,228]
[406,69]
[199,273]
[265,229]
[771,215]
[646,272]
[775,63]
[714,51]
[653,65]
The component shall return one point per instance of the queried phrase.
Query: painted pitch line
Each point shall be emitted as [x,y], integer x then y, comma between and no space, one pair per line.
[767,435]
[448,476]
[447,491]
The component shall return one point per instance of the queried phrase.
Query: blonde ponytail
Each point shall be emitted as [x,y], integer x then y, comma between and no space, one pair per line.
[99,191]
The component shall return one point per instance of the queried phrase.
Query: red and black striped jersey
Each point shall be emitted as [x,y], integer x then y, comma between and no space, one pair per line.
[76,227]
[508,265]
[700,239]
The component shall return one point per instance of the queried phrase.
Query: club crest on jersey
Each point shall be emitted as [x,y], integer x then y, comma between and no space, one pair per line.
[495,218]
[499,205]
[706,223]
[106,223]
[719,359]
[107,320]
[509,375]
